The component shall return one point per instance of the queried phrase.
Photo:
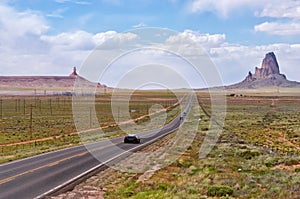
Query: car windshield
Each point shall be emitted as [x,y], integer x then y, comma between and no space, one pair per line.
[131,135]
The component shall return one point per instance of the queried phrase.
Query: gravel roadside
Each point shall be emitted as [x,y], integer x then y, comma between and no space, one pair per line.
[96,186]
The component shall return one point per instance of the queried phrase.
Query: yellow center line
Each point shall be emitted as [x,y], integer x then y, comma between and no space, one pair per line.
[49,165]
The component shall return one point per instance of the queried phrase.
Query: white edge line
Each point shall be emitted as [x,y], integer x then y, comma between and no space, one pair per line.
[55,151]
[102,164]
[109,160]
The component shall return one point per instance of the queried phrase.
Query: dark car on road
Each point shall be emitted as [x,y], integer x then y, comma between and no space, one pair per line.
[132,138]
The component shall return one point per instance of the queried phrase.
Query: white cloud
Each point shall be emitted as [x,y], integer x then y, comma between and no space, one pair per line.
[234,61]
[205,40]
[288,10]
[281,9]
[21,23]
[27,48]
[20,31]
[264,8]
[79,40]
[21,50]
[61,1]
[113,2]
[83,2]
[82,40]
[140,25]
[114,40]
[57,13]
[277,28]
[223,7]
[72,1]
[191,44]
[83,19]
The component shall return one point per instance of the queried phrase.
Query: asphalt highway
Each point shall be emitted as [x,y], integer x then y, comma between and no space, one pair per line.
[34,176]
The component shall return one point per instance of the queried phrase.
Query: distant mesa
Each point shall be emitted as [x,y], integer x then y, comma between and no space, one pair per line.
[266,76]
[46,82]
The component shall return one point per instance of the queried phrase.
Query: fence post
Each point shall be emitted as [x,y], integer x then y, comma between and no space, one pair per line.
[50,106]
[118,115]
[19,103]
[35,98]
[24,108]
[40,106]
[16,106]
[90,117]
[30,121]
[1,109]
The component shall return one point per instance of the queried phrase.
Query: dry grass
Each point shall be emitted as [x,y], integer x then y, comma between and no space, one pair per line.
[53,123]
[257,156]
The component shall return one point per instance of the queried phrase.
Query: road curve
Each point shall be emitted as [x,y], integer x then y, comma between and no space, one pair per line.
[32,177]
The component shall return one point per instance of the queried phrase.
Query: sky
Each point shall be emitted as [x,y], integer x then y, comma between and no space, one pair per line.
[50,37]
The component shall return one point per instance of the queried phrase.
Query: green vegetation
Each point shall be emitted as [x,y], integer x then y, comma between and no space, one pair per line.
[219,191]
[31,125]
[257,156]
[271,122]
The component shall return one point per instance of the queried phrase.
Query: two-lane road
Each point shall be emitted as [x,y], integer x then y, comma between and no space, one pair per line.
[34,176]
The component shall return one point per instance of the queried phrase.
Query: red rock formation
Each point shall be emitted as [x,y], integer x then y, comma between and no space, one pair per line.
[46,82]
[249,77]
[268,69]
[270,65]
[74,73]
[266,76]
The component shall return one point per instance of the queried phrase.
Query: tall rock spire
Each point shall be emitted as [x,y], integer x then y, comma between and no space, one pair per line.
[269,67]
[74,73]
[266,76]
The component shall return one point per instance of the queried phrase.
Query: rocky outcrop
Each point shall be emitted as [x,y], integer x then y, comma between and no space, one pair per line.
[269,69]
[266,76]
[46,82]
[74,73]
[269,65]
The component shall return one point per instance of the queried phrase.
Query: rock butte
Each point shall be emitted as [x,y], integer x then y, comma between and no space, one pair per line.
[46,81]
[266,76]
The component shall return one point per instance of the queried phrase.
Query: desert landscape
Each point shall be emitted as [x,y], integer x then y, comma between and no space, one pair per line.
[256,156]
[115,99]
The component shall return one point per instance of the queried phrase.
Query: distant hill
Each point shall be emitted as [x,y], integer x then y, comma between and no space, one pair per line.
[45,82]
[266,76]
